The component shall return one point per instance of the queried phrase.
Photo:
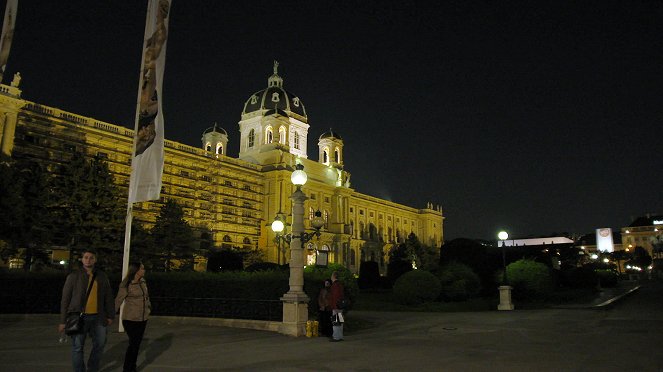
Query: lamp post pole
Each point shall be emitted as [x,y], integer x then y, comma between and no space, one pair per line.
[278,226]
[295,301]
[505,288]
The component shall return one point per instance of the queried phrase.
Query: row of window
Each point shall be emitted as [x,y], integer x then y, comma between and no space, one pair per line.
[269,137]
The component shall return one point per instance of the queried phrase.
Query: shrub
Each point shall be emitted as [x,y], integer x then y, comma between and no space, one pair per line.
[459,282]
[369,275]
[314,276]
[416,287]
[608,278]
[579,277]
[263,266]
[529,279]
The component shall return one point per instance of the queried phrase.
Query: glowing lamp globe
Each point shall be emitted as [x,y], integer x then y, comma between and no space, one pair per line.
[277,225]
[299,177]
[503,235]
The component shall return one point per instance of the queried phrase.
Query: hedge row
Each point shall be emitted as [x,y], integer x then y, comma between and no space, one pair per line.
[41,292]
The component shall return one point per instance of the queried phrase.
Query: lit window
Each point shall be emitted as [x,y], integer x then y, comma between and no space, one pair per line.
[297,140]
[252,137]
[282,135]
[269,136]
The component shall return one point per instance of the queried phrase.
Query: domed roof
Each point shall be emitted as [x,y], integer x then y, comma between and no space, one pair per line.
[215,128]
[330,134]
[275,100]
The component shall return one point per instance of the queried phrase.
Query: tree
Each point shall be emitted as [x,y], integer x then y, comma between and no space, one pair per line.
[400,262]
[24,221]
[481,257]
[87,209]
[12,206]
[173,239]
[641,258]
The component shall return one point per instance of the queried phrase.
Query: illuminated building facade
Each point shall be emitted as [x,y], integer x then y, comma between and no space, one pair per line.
[644,232]
[235,199]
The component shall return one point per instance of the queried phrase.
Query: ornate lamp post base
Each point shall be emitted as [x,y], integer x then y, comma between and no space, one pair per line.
[295,314]
[505,298]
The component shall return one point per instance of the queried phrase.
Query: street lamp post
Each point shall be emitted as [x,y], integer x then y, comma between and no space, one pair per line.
[277,227]
[295,301]
[505,288]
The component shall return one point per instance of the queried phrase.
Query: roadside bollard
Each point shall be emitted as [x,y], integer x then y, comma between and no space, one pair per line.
[315,328]
[309,330]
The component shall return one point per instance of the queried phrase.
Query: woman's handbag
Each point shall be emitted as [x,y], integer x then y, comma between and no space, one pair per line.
[74,323]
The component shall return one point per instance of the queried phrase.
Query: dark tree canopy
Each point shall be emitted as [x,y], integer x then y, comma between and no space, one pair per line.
[89,212]
[172,238]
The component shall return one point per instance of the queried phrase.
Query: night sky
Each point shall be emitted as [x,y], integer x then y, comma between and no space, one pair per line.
[536,117]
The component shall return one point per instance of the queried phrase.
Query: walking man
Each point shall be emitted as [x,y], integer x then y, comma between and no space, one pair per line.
[98,311]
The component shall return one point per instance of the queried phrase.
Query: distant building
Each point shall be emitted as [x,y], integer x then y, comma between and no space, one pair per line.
[643,232]
[235,199]
[587,242]
[535,241]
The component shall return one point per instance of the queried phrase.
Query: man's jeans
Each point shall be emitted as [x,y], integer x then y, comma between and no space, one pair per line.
[97,331]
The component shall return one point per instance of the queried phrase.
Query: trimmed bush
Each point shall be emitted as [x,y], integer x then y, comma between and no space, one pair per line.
[579,277]
[416,287]
[529,279]
[459,282]
[608,278]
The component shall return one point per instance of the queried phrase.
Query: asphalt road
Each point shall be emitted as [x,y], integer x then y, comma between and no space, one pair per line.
[624,336]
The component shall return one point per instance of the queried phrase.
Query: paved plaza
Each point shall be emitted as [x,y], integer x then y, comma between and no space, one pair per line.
[625,335]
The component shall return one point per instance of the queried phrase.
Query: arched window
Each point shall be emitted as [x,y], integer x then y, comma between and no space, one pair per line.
[325,155]
[219,149]
[325,216]
[269,136]
[252,138]
[282,135]
[353,258]
[297,140]
[361,230]
[311,213]
[372,232]
[209,147]
[337,156]
[247,241]
[226,242]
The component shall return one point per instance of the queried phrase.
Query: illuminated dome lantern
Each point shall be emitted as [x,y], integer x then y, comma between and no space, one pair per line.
[330,146]
[273,118]
[215,140]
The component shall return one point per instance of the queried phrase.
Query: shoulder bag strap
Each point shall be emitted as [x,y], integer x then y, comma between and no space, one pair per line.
[89,289]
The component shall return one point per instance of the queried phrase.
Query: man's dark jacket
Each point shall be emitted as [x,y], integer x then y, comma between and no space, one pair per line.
[75,289]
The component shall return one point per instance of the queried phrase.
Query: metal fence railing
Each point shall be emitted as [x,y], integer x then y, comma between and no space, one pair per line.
[171,306]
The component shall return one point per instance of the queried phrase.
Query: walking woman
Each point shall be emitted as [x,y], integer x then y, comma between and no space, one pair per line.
[133,292]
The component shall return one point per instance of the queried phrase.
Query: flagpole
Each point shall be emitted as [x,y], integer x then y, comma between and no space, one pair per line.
[125,256]
[7,34]
[147,157]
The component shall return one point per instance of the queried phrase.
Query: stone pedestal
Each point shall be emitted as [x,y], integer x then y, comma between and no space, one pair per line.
[295,314]
[505,298]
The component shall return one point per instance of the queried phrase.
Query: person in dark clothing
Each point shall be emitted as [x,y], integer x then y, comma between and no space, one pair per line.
[98,312]
[324,309]
[336,291]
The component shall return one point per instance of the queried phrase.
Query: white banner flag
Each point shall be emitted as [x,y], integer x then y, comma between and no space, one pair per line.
[7,34]
[147,162]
